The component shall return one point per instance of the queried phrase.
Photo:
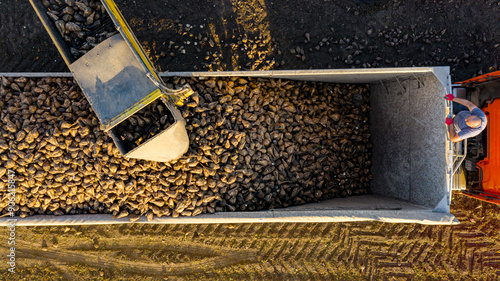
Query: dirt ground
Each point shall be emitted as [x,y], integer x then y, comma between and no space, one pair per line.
[267,251]
[262,35]
[288,34]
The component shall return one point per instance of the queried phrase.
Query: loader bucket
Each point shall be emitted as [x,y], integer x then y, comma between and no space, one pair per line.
[119,80]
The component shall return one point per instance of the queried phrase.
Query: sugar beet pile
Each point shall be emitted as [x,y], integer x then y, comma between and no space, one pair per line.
[254,144]
[81,24]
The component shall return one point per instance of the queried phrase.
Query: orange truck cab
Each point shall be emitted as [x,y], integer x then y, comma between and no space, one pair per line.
[479,173]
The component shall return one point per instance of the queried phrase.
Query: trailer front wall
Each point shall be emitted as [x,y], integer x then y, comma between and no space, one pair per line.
[409,140]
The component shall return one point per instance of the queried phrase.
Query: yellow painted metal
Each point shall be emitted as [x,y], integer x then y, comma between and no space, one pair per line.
[125,30]
[463,182]
[459,180]
[130,111]
[131,40]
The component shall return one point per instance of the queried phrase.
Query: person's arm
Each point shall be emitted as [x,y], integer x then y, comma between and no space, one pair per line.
[467,103]
[453,135]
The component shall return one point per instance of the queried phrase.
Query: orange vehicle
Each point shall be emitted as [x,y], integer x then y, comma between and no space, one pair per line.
[481,167]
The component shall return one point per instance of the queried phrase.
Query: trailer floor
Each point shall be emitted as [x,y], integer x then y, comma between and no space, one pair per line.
[272,251]
[258,35]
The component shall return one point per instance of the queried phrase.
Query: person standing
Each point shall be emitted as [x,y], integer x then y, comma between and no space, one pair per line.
[466,123]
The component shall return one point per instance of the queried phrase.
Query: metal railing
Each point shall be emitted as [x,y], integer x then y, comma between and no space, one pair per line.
[457,151]
[459,154]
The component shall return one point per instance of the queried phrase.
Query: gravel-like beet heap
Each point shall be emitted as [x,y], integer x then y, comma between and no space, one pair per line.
[83,24]
[145,124]
[254,144]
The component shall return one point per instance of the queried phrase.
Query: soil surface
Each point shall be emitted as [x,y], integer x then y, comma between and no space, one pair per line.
[263,251]
[289,34]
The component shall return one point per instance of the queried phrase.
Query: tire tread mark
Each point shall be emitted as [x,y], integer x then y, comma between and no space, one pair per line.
[251,228]
[273,246]
[291,250]
[243,242]
[327,228]
[270,230]
[407,256]
[174,228]
[282,229]
[197,229]
[355,257]
[222,242]
[276,271]
[185,228]
[287,272]
[257,271]
[240,229]
[349,249]
[268,275]
[262,247]
[290,232]
[423,247]
[313,230]
[325,249]
[346,233]
[206,229]
[312,250]
[217,229]
[262,228]
[304,229]
[300,253]
[254,242]
[281,249]
[232,242]
[333,252]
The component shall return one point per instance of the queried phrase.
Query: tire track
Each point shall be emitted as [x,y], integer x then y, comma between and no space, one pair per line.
[295,251]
